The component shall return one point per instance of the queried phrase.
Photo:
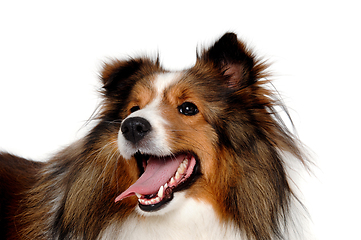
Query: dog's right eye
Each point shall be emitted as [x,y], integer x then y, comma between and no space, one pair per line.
[135,108]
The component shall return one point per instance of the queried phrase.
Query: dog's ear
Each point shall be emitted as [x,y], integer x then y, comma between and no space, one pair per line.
[119,76]
[233,59]
[115,74]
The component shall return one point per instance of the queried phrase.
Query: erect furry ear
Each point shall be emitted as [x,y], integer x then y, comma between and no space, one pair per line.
[116,72]
[233,60]
[117,76]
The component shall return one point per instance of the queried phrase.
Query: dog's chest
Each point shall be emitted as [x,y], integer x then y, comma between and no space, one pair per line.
[193,220]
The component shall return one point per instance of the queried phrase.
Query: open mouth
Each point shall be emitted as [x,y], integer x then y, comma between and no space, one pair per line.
[160,178]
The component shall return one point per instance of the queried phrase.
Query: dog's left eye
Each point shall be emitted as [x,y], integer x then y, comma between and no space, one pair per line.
[188,109]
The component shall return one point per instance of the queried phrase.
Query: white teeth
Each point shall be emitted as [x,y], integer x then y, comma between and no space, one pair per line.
[150,201]
[172,181]
[165,185]
[160,192]
[138,195]
[177,176]
[181,169]
[183,166]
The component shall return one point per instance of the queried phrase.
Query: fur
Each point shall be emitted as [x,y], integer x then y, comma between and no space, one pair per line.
[221,111]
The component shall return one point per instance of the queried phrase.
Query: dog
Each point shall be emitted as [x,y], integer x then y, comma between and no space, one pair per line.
[192,154]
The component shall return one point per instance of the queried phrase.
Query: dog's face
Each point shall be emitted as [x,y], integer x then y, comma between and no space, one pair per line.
[177,126]
[167,130]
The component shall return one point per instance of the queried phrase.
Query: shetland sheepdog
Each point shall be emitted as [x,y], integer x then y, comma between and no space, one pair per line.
[192,154]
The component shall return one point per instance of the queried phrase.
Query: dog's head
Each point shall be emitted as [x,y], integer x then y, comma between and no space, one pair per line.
[209,133]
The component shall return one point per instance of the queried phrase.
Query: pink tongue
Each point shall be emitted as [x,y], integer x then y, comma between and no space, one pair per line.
[157,173]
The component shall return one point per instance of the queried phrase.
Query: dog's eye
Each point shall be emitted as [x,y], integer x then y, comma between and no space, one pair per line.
[188,109]
[135,108]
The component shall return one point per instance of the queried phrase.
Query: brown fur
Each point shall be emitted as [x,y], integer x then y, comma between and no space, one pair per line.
[238,138]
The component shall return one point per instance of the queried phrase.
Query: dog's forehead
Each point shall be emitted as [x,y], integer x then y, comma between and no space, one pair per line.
[164,81]
[151,92]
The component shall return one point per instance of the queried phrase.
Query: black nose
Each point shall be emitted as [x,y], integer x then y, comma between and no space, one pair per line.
[134,129]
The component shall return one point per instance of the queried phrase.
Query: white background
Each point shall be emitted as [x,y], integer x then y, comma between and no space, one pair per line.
[50,55]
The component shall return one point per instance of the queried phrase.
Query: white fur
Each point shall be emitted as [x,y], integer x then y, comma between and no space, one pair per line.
[164,81]
[156,142]
[191,219]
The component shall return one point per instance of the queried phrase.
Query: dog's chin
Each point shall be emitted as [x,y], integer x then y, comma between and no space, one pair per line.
[175,204]
[174,190]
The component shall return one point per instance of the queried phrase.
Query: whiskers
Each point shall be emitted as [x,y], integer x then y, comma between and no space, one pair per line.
[117,121]
[97,117]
